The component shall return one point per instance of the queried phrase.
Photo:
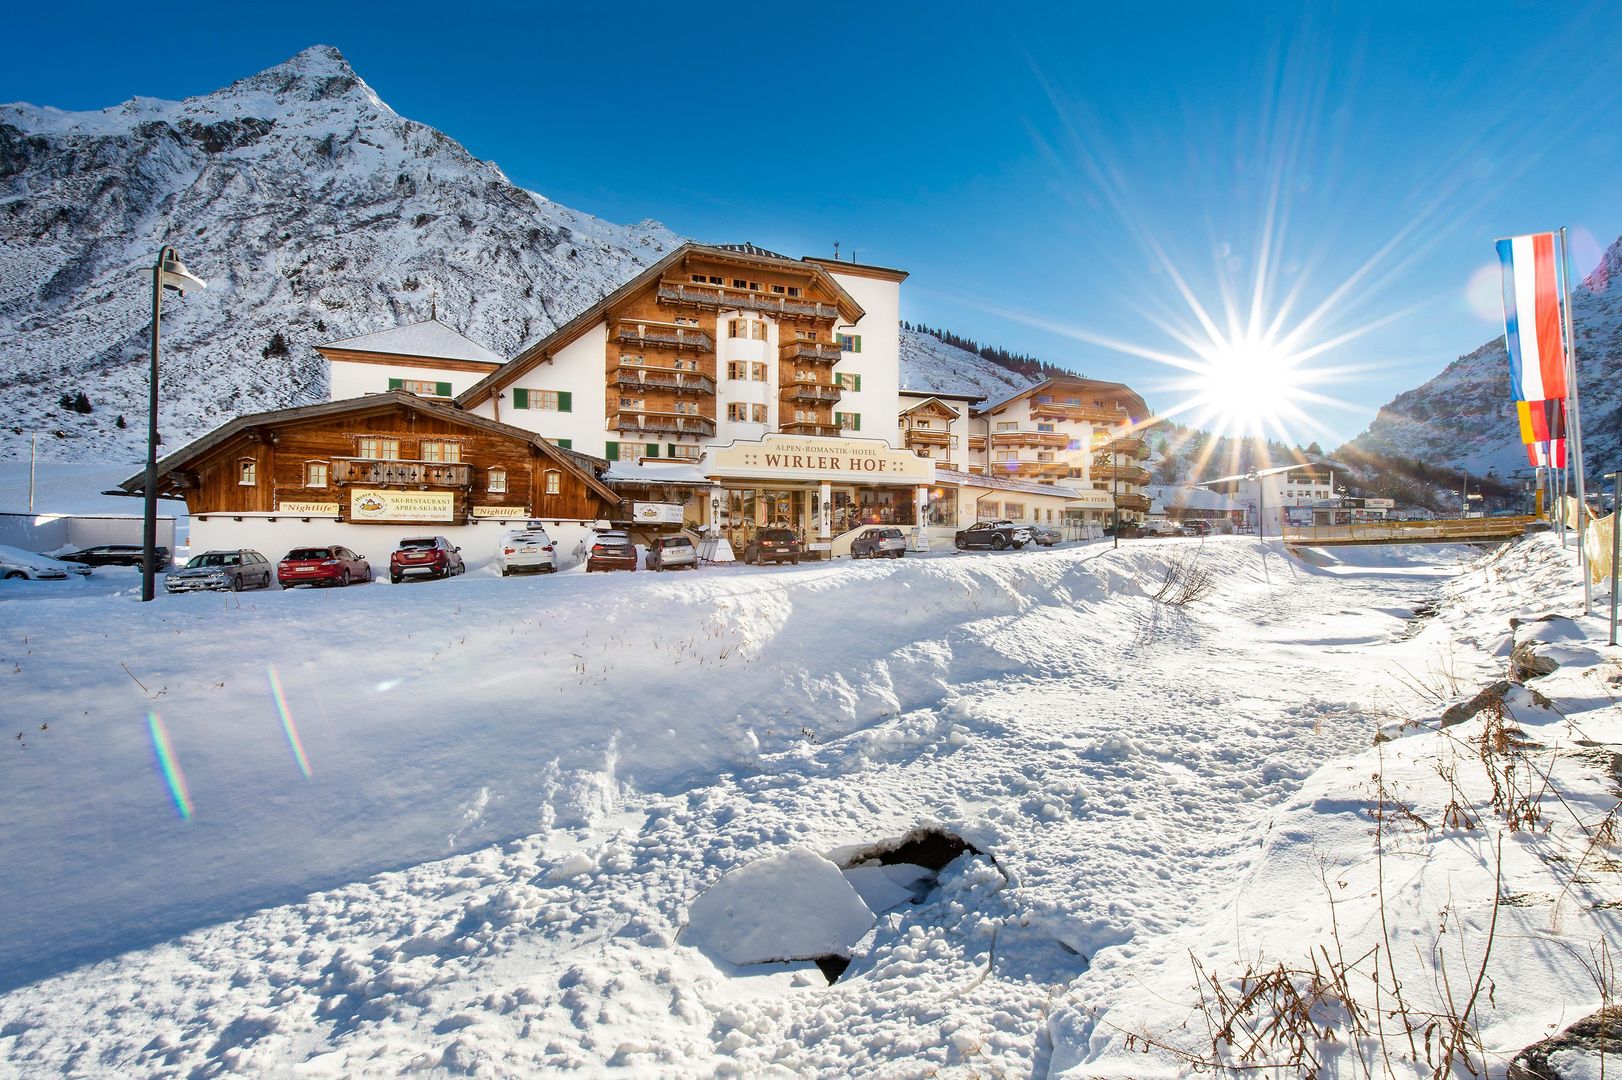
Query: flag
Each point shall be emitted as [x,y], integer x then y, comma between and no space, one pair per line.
[1537,353]
[1541,421]
[1549,455]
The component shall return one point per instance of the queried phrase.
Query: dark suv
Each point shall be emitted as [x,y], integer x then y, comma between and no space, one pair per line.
[993,534]
[773,545]
[430,556]
[116,555]
[881,542]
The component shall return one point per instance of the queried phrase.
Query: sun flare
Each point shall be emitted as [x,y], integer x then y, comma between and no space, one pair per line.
[1247,387]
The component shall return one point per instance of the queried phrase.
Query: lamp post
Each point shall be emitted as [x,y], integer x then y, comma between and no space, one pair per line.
[1261,503]
[167,273]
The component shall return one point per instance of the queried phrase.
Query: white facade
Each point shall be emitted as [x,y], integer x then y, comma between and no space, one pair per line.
[348,379]
[576,370]
[879,361]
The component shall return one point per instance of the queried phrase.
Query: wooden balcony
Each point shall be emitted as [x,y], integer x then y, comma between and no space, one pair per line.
[631,422]
[1092,413]
[1133,502]
[401,473]
[808,352]
[1031,470]
[1126,446]
[658,336]
[977,442]
[683,382]
[806,427]
[811,393]
[721,298]
[1057,440]
[927,437]
[1126,474]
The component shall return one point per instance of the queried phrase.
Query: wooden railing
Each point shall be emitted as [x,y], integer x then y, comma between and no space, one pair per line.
[806,427]
[814,352]
[400,473]
[928,436]
[663,424]
[715,296]
[1448,531]
[665,379]
[1126,446]
[814,393]
[1132,502]
[1126,474]
[1064,410]
[1056,439]
[663,338]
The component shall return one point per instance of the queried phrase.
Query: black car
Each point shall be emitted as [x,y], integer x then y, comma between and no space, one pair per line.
[117,555]
[773,545]
[992,534]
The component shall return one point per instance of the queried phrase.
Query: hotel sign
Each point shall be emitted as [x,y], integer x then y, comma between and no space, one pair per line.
[791,457]
[374,504]
[307,509]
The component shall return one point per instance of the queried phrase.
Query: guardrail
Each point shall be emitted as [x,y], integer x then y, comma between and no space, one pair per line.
[1446,531]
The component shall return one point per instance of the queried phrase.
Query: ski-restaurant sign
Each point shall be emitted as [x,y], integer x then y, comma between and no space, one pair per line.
[789,457]
[373,504]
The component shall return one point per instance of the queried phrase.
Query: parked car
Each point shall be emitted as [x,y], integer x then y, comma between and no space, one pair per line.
[425,556]
[527,549]
[992,534]
[322,566]
[15,564]
[1195,528]
[883,542]
[672,553]
[229,570]
[1045,535]
[117,555]
[612,550]
[1130,530]
[773,545]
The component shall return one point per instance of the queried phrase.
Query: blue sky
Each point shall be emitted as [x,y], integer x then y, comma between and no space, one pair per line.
[1055,177]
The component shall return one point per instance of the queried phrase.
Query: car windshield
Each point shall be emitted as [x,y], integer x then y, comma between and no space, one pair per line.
[776,534]
[678,541]
[420,543]
[299,554]
[214,558]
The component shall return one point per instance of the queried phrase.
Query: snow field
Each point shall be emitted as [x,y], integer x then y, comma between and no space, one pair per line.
[601,750]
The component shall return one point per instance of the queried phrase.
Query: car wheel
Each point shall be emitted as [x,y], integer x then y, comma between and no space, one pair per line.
[394,579]
[999,542]
[1018,544]
[961,544]
[15,575]
[234,585]
[343,580]
[898,555]
[795,560]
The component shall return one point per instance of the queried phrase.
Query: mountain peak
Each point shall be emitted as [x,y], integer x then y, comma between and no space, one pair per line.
[318,73]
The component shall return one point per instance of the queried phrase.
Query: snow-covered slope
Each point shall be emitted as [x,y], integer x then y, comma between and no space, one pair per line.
[1464,417]
[311,208]
[928,363]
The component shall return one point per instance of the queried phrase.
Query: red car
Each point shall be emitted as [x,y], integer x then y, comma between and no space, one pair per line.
[428,556]
[612,550]
[322,566]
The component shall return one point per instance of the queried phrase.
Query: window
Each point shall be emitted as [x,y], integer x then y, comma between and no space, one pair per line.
[683,320]
[849,381]
[806,335]
[495,481]
[554,482]
[737,412]
[447,452]
[1045,399]
[849,420]
[779,289]
[923,425]
[849,342]
[247,472]
[757,413]
[699,278]
[1007,425]
[757,372]
[755,286]
[681,452]
[737,370]
[737,328]
[1045,456]
[1007,455]
[1013,511]
[632,403]
[632,359]
[757,330]
[715,279]
[685,408]
[315,474]
[794,290]
[376,449]
[546,400]
[1044,427]
[425,387]
[740,283]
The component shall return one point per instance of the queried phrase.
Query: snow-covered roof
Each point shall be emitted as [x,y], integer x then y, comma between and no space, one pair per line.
[747,248]
[944,395]
[430,338]
[1315,463]
[1166,497]
[655,472]
[1004,483]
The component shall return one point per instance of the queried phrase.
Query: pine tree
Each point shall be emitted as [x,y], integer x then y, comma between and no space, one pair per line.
[119,423]
[81,404]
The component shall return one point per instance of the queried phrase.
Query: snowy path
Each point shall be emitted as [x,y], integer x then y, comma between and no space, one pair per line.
[1117,760]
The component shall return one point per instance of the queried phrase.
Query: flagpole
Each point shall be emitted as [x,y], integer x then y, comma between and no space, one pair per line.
[1576,433]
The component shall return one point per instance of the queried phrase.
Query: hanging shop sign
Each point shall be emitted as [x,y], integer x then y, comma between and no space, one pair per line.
[790,457]
[373,504]
[307,509]
[657,513]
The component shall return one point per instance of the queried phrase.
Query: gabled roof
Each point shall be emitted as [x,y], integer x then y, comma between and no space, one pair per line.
[747,248]
[583,466]
[932,401]
[430,339]
[1118,389]
[944,395]
[533,355]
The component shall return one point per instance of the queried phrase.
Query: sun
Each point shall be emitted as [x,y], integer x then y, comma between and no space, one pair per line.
[1248,386]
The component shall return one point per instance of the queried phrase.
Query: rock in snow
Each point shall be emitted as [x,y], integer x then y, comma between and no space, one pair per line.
[793,906]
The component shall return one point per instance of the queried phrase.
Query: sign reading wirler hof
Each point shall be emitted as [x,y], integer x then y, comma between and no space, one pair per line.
[787,457]
[373,504]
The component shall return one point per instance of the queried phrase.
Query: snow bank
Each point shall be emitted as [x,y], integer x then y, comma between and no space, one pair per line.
[792,906]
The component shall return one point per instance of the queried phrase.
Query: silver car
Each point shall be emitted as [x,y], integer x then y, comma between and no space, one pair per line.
[1045,535]
[879,543]
[228,570]
[671,553]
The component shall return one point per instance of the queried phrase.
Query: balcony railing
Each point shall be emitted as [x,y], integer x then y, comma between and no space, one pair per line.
[664,379]
[806,427]
[1126,474]
[714,296]
[810,352]
[1132,502]
[401,473]
[1067,411]
[663,424]
[811,393]
[1057,439]
[927,437]
[1127,446]
[664,338]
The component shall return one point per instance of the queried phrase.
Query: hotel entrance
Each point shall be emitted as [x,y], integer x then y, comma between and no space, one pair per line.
[747,510]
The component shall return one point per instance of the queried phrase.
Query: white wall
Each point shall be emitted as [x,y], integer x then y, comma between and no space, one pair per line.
[579,368]
[350,380]
[879,362]
[275,538]
[745,391]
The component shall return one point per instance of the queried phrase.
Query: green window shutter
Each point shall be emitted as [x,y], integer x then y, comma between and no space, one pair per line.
[565,401]
[670,449]
[839,418]
[856,421]
[395,384]
[520,398]
[443,389]
[857,340]
[858,385]
[653,449]
[567,444]
[612,451]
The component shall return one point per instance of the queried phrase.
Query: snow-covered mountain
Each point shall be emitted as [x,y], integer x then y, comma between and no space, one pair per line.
[312,209]
[1464,417]
[928,363]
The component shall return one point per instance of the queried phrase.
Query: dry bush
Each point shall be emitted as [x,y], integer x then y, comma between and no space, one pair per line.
[1185,581]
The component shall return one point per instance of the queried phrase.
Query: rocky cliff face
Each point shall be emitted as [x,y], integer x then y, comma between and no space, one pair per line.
[1463,417]
[314,212]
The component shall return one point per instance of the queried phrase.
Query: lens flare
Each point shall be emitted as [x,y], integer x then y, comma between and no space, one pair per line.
[288,726]
[168,766]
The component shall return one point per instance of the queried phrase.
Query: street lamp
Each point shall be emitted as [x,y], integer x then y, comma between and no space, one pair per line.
[1261,501]
[167,273]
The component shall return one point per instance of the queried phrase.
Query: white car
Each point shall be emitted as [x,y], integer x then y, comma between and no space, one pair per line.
[527,549]
[16,564]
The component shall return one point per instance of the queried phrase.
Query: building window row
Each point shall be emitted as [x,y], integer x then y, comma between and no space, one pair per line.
[422,387]
[745,284]
[849,342]
[849,380]
[740,412]
[848,420]
[749,329]
[545,400]
[745,370]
